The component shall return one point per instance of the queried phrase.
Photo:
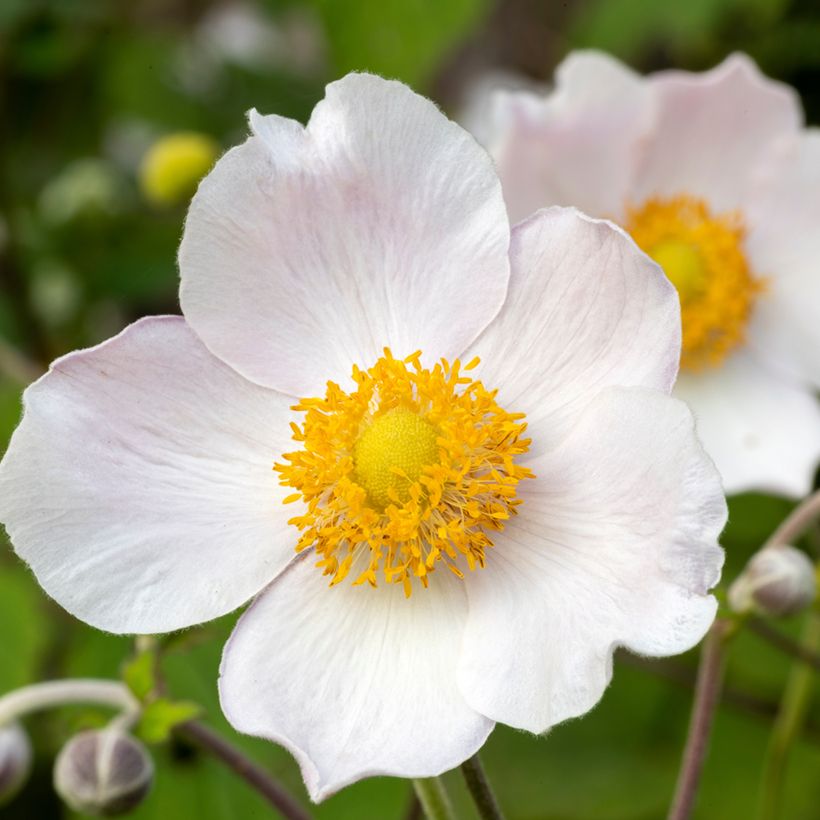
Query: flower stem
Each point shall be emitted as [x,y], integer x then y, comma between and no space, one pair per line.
[789,721]
[433,798]
[707,697]
[799,651]
[50,694]
[253,774]
[480,790]
[797,522]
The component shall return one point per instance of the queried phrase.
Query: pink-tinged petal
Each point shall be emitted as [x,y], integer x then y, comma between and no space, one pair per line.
[615,545]
[763,431]
[717,133]
[380,224]
[354,682]
[586,309]
[139,485]
[577,146]
[784,247]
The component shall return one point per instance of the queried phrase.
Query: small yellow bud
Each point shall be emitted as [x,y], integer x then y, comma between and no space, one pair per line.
[173,166]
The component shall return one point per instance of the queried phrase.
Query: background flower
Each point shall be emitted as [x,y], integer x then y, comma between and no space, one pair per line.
[714,177]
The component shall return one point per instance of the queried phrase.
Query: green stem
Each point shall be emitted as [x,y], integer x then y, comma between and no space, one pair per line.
[787,726]
[479,787]
[433,798]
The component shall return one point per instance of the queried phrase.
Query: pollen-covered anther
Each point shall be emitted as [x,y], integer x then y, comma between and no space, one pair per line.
[412,469]
[702,255]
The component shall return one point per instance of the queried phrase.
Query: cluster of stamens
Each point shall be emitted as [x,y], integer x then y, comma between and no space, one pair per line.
[413,469]
[702,254]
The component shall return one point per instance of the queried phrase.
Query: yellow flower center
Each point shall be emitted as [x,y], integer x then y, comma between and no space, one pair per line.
[411,470]
[392,453]
[702,254]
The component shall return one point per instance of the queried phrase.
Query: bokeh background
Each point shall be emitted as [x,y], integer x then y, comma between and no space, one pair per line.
[86,88]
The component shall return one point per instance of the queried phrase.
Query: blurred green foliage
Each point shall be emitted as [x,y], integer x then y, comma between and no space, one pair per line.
[86,86]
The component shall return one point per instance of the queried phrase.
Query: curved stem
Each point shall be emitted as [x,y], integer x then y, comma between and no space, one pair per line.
[707,697]
[796,523]
[253,774]
[800,651]
[479,787]
[50,694]
[787,726]
[433,798]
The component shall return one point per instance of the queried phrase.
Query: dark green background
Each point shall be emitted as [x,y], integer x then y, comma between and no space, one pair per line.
[92,82]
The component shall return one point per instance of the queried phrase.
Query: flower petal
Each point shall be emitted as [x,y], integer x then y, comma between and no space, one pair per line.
[380,224]
[354,682]
[784,247]
[577,146]
[615,544]
[139,484]
[762,431]
[715,133]
[586,309]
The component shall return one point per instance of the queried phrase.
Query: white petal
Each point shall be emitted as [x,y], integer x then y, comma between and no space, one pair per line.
[308,250]
[784,247]
[139,484]
[354,681]
[586,310]
[615,544]
[577,146]
[762,431]
[716,133]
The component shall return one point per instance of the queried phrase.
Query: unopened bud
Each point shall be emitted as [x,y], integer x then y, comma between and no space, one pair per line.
[777,581]
[173,166]
[103,773]
[15,760]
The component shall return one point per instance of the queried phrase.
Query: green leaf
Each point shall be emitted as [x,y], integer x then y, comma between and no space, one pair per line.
[160,717]
[139,674]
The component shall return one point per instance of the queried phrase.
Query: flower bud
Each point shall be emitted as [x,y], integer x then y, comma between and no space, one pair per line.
[777,581]
[15,760]
[173,166]
[103,773]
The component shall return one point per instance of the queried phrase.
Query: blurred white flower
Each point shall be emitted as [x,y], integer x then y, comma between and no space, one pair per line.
[240,33]
[85,187]
[715,177]
[452,573]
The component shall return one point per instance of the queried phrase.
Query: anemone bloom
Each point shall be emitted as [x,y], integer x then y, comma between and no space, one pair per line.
[472,541]
[714,177]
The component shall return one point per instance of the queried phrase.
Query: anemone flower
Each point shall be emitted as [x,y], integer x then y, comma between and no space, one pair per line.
[714,177]
[441,455]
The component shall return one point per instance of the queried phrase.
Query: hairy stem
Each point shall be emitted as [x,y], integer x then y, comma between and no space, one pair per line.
[797,522]
[254,775]
[480,790]
[55,693]
[789,721]
[707,697]
[433,798]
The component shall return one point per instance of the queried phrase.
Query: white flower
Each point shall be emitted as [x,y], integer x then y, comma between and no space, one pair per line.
[715,177]
[140,484]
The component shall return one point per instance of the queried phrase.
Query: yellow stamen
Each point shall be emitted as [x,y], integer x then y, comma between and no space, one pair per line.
[413,468]
[702,254]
